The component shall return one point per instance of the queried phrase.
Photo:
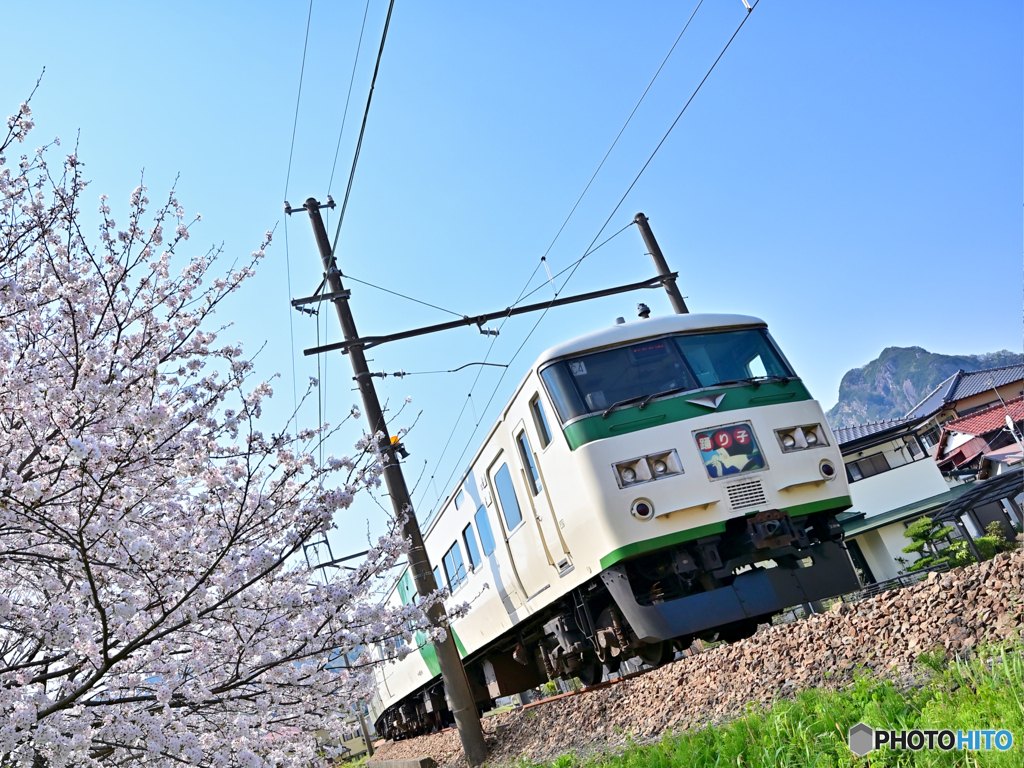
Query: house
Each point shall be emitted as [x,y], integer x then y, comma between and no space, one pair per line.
[918,465]
[983,444]
[972,444]
[893,481]
[963,394]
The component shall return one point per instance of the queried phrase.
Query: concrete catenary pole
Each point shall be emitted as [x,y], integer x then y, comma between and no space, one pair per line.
[674,296]
[456,683]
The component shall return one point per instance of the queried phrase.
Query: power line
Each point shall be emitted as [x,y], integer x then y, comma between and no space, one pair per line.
[523,294]
[287,179]
[402,295]
[621,130]
[362,129]
[298,98]
[512,360]
[351,80]
[674,122]
[590,248]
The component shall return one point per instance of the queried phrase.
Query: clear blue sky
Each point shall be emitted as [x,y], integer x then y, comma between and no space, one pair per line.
[850,172]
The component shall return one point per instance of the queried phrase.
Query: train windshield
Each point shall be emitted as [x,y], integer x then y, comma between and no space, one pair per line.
[598,381]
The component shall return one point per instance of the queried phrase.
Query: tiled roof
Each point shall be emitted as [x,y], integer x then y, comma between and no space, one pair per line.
[988,420]
[979,381]
[962,385]
[935,399]
[859,431]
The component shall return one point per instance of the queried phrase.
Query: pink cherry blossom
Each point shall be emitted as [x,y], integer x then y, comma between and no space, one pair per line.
[155,606]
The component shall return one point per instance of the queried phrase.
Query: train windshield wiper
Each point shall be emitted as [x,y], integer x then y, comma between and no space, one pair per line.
[613,406]
[757,380]
[662,394]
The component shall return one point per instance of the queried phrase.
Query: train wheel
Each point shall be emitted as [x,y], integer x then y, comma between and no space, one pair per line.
[613,663]
[657,654]
[591,674]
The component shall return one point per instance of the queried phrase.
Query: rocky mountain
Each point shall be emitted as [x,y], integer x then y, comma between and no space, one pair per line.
[888,387]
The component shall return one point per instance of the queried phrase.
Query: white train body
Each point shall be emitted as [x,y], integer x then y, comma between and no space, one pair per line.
[612,533]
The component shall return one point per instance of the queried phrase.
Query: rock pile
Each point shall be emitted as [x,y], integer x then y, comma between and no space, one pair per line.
[884,635]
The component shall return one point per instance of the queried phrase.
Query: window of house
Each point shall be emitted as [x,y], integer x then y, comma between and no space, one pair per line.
[483,527]
[930,438]
[914,447]
[472,553]
[532,475]
[866,467]
[454,566]
[540,421]
[507,497]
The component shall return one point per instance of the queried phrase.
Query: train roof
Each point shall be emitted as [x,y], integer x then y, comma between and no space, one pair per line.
[645,329]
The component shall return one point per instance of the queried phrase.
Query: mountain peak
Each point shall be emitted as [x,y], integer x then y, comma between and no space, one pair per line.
[899,378]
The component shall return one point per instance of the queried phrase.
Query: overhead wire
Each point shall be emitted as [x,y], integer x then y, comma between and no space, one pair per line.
[501,378]
[543,259]
[402,295]
[621,130]
[589,250]
[287,180]
[348,97]
[362,131]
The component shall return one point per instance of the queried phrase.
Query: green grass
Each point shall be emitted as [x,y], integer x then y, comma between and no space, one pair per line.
[811,730]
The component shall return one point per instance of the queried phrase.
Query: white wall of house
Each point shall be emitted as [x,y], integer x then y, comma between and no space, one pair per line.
[903,485]
[894,540]
[878,558]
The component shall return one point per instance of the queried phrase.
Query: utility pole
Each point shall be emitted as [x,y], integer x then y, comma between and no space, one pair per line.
[456,683]
[674,296]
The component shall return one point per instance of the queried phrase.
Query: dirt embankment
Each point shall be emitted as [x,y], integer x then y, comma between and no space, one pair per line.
[883,636]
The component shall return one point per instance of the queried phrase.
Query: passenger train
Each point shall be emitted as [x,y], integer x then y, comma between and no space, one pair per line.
[647,484]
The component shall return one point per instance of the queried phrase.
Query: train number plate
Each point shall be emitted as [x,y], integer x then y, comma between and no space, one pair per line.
[729,450]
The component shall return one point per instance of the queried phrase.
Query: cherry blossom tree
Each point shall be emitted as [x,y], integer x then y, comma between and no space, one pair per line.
[154,605]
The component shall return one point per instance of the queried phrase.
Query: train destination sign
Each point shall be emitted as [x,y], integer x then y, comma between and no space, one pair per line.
[729,450]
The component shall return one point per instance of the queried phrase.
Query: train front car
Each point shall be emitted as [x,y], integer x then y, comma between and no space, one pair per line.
[698,482]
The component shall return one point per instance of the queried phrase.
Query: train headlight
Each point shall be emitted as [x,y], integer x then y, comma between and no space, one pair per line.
[798,438]
[642,509]
[631,472]
[643,469]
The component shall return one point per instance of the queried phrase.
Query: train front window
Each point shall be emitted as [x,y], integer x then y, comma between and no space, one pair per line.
[597,382]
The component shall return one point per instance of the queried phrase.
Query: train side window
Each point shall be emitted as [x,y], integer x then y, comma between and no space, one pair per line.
[472,553]
[454,566]
[483,526]
[459,498]
[539,421]
[507,497]
[532,476]
[437,578]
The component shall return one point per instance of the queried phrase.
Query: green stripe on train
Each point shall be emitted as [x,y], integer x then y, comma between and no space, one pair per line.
[680,409]
[837,504]
[430,655]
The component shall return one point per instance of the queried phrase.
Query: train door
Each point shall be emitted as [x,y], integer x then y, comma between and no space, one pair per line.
[522,537]
[537,496]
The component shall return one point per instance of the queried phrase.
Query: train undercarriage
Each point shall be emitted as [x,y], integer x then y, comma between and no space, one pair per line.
[715,587]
